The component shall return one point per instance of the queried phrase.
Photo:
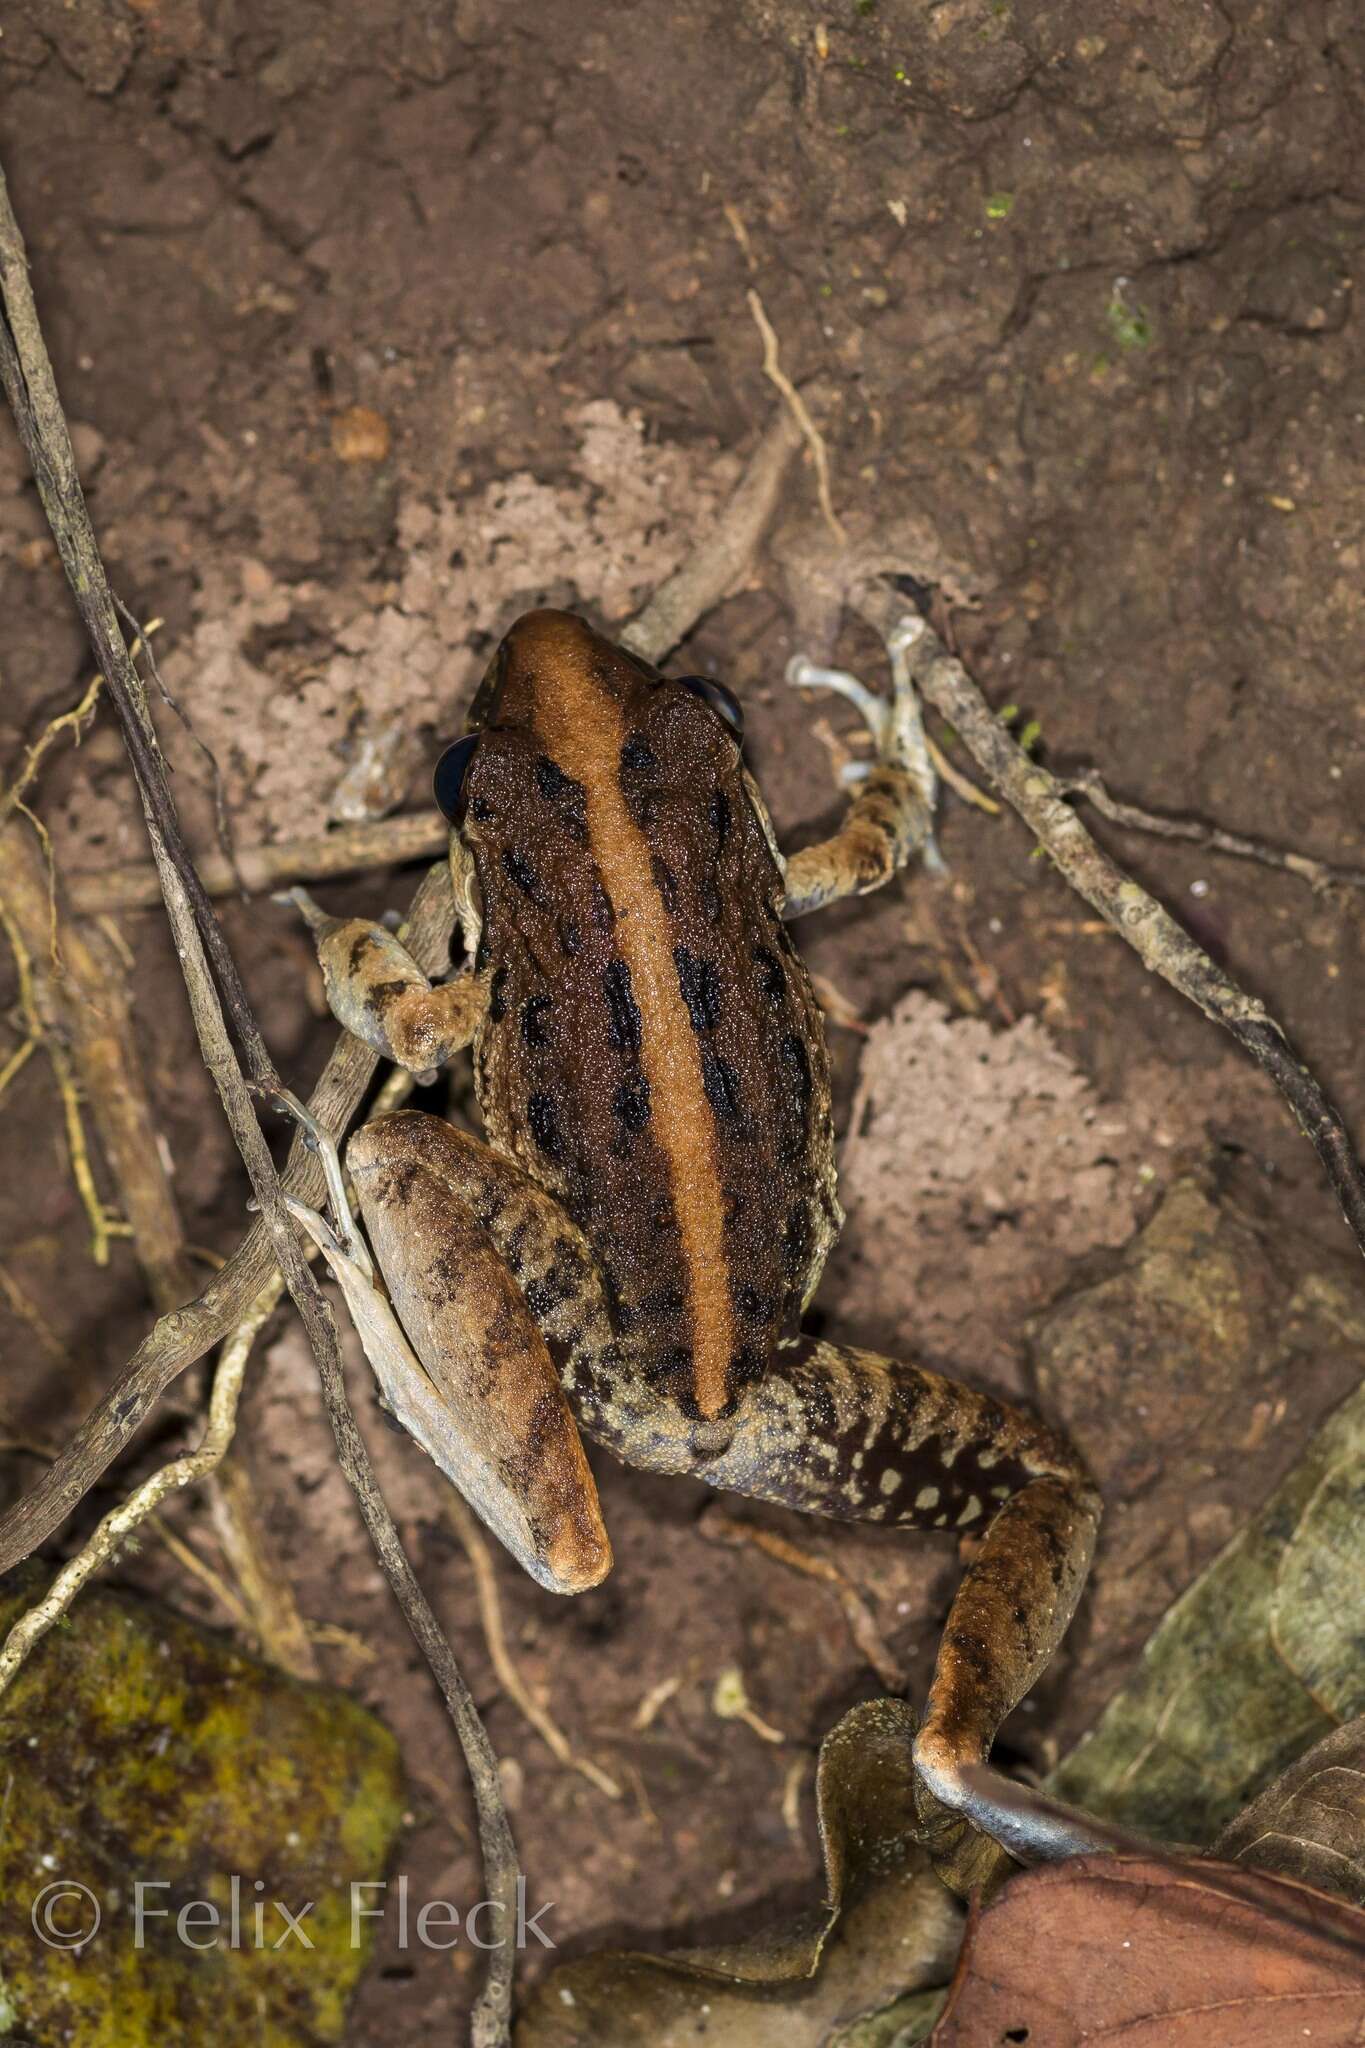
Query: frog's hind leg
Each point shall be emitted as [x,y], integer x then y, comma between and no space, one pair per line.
[836,1431]
[454,1343]
[891,815]
[376,989]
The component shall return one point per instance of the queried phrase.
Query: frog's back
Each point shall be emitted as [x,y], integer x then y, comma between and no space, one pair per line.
[652,1054]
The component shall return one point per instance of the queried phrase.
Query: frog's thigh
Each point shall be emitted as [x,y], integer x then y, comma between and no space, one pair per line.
[838,1431]
[885,823]
[432,1199]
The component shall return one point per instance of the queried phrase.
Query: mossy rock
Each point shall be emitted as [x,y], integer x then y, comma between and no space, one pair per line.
[139,1749]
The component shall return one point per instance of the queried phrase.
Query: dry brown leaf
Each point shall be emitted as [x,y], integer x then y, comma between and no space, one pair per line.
[1158,1953]
[886,1928]
[1310,1824]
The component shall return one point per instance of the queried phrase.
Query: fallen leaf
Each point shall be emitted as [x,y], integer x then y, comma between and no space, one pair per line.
[1157,1953]
[1249,1667]
[1310,1824]
[887,1931]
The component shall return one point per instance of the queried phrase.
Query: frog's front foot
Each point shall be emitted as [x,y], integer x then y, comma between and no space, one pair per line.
[376,989]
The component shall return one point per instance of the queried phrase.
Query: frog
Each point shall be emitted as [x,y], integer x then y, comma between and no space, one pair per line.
[627,1253]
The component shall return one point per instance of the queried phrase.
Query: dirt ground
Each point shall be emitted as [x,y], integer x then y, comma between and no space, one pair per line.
[382,322]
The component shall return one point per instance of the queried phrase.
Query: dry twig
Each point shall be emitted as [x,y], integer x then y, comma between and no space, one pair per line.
[119,1524]
[867,1637]
[814,439]
[1163,946]
[215,992]
[272,1613]
[479,1553]
[85,1020]
[1319,874]
[716,565]
[383,842]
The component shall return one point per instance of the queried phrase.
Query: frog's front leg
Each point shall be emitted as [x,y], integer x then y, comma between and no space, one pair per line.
[464,1242]
[376,989]
[836,1431]
[891,815]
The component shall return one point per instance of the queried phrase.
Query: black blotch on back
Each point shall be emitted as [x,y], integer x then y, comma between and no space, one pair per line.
[637,754]
[745,1367]
[796,1240]
[566,795]
[665,881]
[712,903]
[721,1083]
[533,1014]
[603,916]
[701,989]
[497,996]
[720,816]
[570,936]
[796,1060]
[544,1125]
[771,979]
[631,1105]
[663,1302]
[519,870]
[623,1014]
[552,782]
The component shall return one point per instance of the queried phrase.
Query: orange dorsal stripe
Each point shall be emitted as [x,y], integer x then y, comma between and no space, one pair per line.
[583,731]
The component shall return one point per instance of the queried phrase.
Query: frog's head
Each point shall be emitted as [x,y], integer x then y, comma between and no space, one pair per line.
[552,667]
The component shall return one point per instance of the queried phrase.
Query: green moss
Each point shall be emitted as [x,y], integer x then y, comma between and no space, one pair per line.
[1129,325]
[138,1747]
[999,205]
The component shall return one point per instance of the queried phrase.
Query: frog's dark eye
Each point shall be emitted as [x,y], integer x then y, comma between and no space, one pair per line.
[722,701]
[447,783]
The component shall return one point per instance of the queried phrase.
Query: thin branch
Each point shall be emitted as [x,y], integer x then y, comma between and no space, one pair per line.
[1319,874]
[121,1522]
[480,1554]
[1162,945]
[711,572]
[35,1003]
[378,843]
[75,721]
[85,1014]
[814,439]
[26,374]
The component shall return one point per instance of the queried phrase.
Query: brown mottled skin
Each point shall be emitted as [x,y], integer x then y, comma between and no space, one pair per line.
[652,1052]
[657,1191]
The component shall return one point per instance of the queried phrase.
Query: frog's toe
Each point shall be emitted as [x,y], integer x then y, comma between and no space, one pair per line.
[308,907]
[954,1789]
[805,674]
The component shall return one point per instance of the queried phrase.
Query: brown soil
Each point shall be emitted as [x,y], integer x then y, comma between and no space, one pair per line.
[381,322]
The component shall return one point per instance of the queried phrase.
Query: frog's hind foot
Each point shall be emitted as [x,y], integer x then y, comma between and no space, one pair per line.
[1030,1825]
